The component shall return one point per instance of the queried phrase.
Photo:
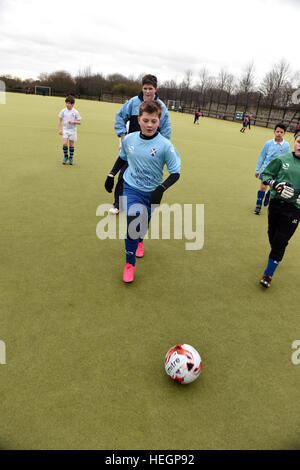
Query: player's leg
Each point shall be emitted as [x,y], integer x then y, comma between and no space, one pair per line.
[283,223]
[260,196]
[140,248]
[267,197]
[65,150]
[71,150]
[137,226]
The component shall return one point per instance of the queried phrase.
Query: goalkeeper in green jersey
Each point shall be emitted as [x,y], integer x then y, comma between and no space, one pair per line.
[283,177]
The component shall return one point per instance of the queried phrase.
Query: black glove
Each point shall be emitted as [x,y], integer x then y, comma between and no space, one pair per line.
[109,183]
[157,194]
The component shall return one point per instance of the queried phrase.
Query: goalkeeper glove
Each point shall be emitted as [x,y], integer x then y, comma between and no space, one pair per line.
[285,189]
[298,199]
[109,184]
[157,194]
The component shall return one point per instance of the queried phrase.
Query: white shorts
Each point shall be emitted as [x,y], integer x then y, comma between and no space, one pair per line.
[69,134]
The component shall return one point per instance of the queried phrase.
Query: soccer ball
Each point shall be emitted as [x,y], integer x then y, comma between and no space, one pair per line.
[183,363]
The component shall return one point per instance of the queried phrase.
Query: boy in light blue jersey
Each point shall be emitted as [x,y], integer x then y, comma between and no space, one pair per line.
[126,122]
[146,152]
[271,150]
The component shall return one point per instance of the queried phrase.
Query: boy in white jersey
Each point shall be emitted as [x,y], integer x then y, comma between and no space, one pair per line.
[146,152]
[70,117]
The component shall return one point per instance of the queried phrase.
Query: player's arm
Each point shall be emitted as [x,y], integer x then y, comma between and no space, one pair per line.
[110,180]
[269,175]
[122,117]
[261,158]
[119,163]
[60,125]
[165,124]
[77,119]
[158,192]
[173,164]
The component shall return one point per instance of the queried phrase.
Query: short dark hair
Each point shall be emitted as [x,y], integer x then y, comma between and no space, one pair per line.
[70,99]
[281,125]
[297,133]
[149,80]
[150,107]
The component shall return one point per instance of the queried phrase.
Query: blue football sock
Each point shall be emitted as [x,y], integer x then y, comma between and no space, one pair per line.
[71,152]
[65,150]
[260,197]
[272,266]
[131,247]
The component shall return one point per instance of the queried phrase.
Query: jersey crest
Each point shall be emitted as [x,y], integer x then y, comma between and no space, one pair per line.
[153,152]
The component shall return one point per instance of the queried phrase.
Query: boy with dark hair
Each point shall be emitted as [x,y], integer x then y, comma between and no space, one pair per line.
[71,118]
[270,150]
[127,122]
[283,176]
[146,153]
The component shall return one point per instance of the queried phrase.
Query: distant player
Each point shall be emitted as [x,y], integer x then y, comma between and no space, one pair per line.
[71,118]
[283,176]
[245,124]
[250,117]
[271,150]
[196,117]
[146,152]
[127,122]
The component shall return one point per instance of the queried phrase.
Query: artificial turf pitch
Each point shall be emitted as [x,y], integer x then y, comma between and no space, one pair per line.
[84,352]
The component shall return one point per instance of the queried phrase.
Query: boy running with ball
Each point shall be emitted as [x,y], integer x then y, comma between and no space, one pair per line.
[71,118]
[146,152]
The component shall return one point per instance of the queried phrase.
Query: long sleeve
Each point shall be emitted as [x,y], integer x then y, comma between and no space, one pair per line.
[122,117]
[261,157]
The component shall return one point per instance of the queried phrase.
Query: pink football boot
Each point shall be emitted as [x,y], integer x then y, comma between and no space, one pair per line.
[140,250]
[128,274]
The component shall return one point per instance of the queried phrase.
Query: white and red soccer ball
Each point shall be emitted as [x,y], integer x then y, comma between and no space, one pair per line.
[183,363]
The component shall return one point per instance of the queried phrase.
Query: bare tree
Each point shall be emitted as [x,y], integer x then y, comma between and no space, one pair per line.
[187,81]
[247,80]
[276,81]
[222,79]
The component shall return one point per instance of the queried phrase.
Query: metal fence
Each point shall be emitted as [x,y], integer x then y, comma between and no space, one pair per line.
[222,105]
[214,104]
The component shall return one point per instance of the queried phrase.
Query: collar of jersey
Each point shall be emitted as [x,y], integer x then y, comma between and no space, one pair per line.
[148,137]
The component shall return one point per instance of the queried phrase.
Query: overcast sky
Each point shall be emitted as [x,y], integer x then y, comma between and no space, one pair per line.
[165,37]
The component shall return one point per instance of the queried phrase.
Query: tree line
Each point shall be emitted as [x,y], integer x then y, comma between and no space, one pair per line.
[276,87]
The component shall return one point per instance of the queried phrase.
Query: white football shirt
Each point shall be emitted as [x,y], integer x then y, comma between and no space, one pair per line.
[69,115]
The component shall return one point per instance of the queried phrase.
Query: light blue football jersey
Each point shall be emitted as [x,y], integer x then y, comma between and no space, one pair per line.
[146,159]
[271,150]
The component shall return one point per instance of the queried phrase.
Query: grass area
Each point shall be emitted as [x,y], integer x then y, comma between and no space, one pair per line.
[84,351]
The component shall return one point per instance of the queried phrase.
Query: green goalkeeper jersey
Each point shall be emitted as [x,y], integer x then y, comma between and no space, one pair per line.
[285,167]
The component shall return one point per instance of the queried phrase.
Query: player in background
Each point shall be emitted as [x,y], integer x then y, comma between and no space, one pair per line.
[196,117]
[283,176]
[146,153]
[245,124]
[270,150]
[126,122]
[71,118]
[250,117]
